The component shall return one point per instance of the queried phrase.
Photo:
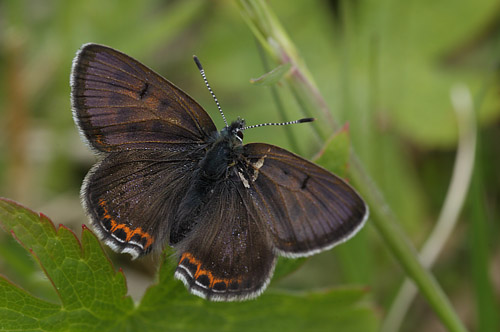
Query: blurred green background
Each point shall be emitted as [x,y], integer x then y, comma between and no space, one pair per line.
[385,67]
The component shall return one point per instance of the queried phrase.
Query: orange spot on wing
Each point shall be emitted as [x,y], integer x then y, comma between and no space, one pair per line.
[98,139]
[199,271]
[128,231]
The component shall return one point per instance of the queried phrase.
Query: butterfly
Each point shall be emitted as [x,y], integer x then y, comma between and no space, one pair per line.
[167,176]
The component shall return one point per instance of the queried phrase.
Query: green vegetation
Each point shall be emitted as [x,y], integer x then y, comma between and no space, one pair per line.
[406,97]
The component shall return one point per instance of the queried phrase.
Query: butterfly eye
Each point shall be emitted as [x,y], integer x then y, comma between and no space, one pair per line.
[240,135]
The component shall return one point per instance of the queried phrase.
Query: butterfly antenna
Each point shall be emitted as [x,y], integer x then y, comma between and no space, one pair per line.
[202,72]
[279,123]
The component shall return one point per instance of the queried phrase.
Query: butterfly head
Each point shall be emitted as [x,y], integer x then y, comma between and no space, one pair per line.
[235,131]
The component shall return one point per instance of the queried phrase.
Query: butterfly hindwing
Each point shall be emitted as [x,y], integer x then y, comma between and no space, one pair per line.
[229,255]
[132,196]
[306,208]
[119,104]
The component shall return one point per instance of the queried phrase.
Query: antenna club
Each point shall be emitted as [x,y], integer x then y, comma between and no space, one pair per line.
[198,63]
[306,120]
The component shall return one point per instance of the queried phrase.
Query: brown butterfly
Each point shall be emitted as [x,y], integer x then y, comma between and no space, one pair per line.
[167,175]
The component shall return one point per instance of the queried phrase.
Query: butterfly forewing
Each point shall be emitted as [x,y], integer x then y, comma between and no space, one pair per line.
[306,208]
[120,104]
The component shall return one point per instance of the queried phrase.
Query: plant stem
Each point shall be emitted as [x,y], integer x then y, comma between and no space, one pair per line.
[400,246]
[455,198]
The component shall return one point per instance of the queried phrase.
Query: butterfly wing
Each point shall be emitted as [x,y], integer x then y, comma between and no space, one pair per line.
[229,255]
[306,208]
[119,104]
[131,197]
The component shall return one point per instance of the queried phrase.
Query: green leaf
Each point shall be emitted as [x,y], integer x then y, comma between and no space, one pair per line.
[273,76]
[21,311]
[285,266]
[93,295]
[334,156]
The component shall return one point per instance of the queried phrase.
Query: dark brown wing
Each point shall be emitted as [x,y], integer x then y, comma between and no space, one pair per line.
[229,255]
[119,104]
[131,197]
[306,208]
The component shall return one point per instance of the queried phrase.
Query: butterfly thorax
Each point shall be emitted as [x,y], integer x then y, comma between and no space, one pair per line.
[222,154]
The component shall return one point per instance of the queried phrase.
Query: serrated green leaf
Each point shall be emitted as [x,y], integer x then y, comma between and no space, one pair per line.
[24,270]
[273,76]
[21,311]
[93,296]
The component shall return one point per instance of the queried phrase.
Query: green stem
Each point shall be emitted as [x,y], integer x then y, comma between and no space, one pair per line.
[400,246]
[269,32]
[453,203]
